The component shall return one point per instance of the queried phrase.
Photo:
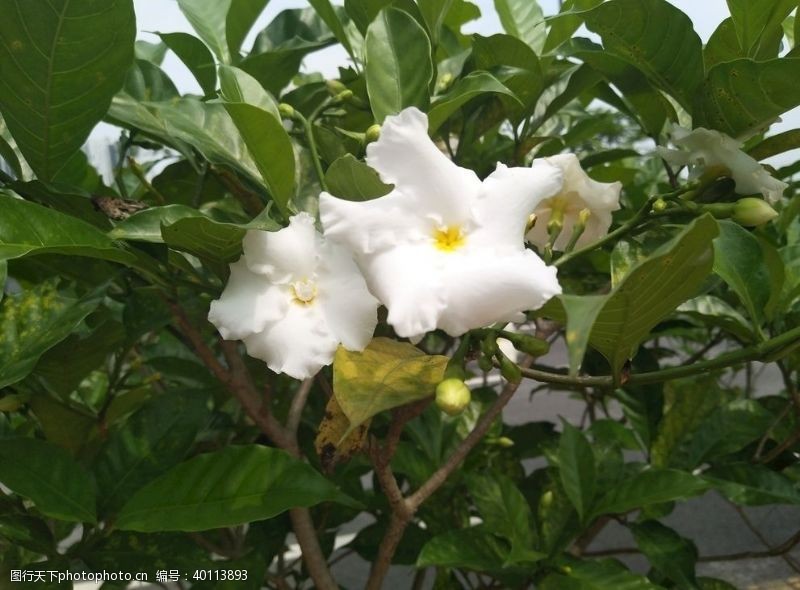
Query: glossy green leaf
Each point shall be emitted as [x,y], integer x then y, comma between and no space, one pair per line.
[434,13]
[399,68]
[474,548]
[31,323]
[146,81]
[729,429]
[195,55]
[563,27]
[153,52]
[24,530]
[58,486]
[270,147]
[63,61]
[655,37]
[753,485]
[743,97]
[738,259]
[9,156]
[363,12]
[327,13]
[524,20]
[145,226]
[385,375]
[724,45]
[505,512]
[753,19]
[652,290]
[576,467]
[351,179]
[230,487]
[222,24]
[653,486]
[581,312]
[667,551]
[471,86]
[240,87]
[713,311]
[154,439]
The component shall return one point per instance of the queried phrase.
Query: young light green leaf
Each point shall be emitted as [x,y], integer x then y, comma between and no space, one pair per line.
[385,375]
[657,38]
[209,20]
[524,20]
[195,55]
[59,76]
[351,179]
[399,68]
[47,475]
[581,312]
[576,467]
[739,260]
[755,19]
[230,487]
[238,86]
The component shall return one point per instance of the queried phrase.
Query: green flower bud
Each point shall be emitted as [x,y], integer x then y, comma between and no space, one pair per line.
[504,442]
[286,110]
[659,205]
[526,343]
[373,133]
[752,212]
[452,396]
[509,369]
[485,364]
[344,95]
[335,87]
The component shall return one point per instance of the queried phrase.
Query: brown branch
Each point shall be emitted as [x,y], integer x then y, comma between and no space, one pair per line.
[238,381]
[298,404]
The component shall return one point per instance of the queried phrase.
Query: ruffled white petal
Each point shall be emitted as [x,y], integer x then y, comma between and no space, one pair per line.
[350,310]
[508,198]
[249,301]
[704,148]
[482,289]
[406,157]
[369,226]
[598,196]
[299,344]
[288,254]
[408,280]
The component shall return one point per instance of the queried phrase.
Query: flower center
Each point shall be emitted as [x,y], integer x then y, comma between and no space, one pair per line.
[449,238]
[304,292]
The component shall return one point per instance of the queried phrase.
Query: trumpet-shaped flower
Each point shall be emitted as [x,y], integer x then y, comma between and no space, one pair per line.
[579,194]
[293,297]
[704,148]
[443,249]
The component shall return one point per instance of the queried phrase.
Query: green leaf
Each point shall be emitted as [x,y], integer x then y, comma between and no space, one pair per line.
[434,13]
[564,26]
[327,13]
[753,485]
[655,37]
[753,19]
[576,467]
[154,439]
[474,548]
[145,81]
[24,530]
[398,69]
[473,85]
[63,61]
[214,21]
[34,321]
[777,144]
[45,474]
[653,289]
[195,55]
[9,155]
[598,574]
[713,311]
[667,551]
[524,20]
[744,96]
[738,259]
[505,512]
[724,45]
[145,225]
[240,87]
[271,149]
[351,179]
[581,311]
[653,486]
[363,12]
[230,487]
[385,375]
[729,429]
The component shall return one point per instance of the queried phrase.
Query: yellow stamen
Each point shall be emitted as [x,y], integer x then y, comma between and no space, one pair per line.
[449,238]
[304,292]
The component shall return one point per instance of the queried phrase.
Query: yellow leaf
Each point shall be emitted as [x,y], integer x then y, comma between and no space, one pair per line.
[385,375]
[336,442]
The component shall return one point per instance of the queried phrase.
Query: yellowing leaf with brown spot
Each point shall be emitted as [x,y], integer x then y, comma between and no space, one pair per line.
[336,442]
[385,375]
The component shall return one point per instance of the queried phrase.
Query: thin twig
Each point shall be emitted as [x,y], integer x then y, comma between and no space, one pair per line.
[298,404]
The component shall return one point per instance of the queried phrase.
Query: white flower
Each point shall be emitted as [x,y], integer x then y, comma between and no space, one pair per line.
[293,297]
[443,249]
[578,193]
[704,148]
